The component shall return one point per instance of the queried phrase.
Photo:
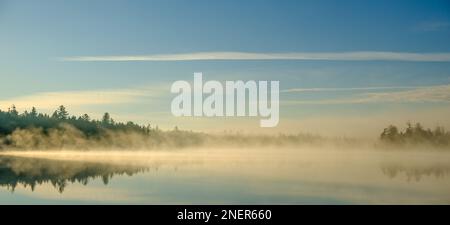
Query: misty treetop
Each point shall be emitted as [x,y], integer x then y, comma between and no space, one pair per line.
[12,120]
[416,135]
[33,130]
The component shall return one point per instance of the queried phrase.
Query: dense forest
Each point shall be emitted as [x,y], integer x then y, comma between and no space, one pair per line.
[416,135]
[31,130]
[12,120]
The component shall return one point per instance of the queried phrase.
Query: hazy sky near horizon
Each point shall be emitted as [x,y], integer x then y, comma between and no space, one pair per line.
[357,64]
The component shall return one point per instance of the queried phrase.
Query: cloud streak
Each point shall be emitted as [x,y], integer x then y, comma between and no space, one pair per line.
[436,94]
[295,90]
[329,56]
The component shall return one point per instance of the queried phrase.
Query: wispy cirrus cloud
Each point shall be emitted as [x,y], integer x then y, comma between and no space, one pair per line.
[332,56]
[294,90]
[439,93]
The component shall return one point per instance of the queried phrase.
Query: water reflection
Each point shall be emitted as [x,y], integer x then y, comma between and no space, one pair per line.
[228,176]
[31,172]
[415,172]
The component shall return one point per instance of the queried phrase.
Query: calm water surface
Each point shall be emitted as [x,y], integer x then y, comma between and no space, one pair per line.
[225,176]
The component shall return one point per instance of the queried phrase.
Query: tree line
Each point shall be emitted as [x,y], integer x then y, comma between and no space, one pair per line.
[11,120]
[60,130]
[416,135]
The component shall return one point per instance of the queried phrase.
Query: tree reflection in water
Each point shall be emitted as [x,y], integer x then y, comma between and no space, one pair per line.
[415,172]
[31,172]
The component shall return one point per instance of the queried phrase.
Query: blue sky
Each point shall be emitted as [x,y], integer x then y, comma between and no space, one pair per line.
[36,35]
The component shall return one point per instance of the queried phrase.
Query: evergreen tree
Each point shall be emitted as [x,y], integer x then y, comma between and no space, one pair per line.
[13,111]
[33,112]
[62,113]
[85,117]
[106,119]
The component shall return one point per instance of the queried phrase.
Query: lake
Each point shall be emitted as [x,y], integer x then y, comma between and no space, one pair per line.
[225,176]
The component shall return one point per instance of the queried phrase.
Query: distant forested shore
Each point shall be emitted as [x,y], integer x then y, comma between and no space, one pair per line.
[32,130]
[416,135]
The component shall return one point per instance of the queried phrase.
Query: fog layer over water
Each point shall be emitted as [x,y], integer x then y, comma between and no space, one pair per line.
[284,175]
